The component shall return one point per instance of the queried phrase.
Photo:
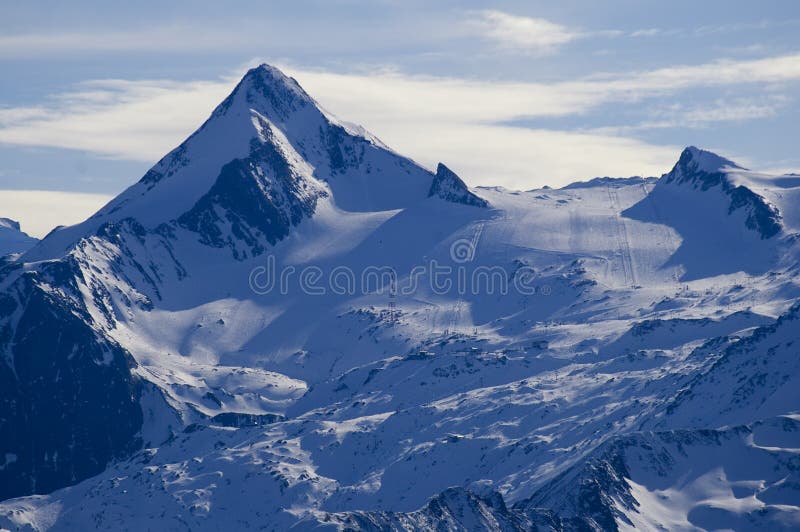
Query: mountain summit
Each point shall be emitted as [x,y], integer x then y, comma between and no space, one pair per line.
[694,160]
[706,171]
[268,108]
[258,166]
[12,238]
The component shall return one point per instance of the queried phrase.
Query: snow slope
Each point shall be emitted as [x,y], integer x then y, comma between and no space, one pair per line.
[604,355]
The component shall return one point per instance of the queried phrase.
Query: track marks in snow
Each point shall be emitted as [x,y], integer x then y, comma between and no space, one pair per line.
[623,241]
[473,249]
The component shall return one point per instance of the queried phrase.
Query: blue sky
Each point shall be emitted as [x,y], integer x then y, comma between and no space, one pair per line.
[519,94]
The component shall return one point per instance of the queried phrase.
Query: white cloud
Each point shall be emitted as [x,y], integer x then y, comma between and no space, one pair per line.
[428,118]
[277,32]
[135,120]
[458,122]
[39,211]
[694,117]
[531,158]
[725,72]
[10,116]
[175,38]
[649,32]
[530,35]
[723,111]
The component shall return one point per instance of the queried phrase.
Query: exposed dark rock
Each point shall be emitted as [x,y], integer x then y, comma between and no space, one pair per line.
[449,187]
[254,201]
[68,400]
[239,420]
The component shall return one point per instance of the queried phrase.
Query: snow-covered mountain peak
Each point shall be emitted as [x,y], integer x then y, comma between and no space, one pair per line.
[271,143]
[707,189]
[270,81]
[267,92]
[705,161]
[12,239]
[695,164]
[8,223]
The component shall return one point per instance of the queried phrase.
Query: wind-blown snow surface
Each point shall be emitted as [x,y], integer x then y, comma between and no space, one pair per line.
[647,378]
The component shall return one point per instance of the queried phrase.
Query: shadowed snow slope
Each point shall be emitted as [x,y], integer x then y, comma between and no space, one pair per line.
[704,200]
[259,333]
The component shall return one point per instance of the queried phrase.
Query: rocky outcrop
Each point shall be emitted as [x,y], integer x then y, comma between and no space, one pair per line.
[448,186]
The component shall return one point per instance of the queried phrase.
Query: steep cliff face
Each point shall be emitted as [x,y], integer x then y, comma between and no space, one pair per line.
[449,187]
[68,400]
[253,203]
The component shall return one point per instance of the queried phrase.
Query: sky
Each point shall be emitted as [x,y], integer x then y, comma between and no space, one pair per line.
[517,94]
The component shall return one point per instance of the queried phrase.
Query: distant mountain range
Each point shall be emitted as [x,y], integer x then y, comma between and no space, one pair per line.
[285,323]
